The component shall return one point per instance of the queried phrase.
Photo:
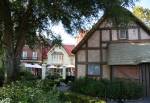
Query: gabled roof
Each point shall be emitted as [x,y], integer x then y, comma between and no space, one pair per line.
[100,21]
[69,49]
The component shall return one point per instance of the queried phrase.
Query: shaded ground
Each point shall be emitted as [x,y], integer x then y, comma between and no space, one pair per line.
[63,87]
[144,100]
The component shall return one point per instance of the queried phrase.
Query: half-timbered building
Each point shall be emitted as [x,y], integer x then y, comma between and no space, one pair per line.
[108,51]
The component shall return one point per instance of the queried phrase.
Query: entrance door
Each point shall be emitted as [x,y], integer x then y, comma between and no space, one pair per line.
[145,77]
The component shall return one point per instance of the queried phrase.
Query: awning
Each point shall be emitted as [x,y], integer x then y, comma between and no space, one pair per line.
[128,53]
[51,66]
[70,66]
[36,66]
[28,65]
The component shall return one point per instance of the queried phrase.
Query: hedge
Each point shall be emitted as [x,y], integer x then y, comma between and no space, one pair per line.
[108,89]
[71,97]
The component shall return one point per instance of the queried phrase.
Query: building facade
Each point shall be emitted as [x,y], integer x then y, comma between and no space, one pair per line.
[61,55]
[31,55]
[107,51]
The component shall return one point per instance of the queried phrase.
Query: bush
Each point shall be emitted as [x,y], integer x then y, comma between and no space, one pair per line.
[26,75]
[116,89]
[53,77]
[29,92]
[125,89]
[78,98]
[90,87]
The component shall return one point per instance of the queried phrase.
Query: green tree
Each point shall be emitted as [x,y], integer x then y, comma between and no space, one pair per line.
[20,20]
[143,14]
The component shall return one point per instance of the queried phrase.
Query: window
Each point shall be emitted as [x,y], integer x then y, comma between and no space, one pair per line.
[57,57]
[34,55]
[94,69]
[123,34]
[24,54]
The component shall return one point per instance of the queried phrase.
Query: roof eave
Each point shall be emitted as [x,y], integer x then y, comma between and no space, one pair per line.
[94,28]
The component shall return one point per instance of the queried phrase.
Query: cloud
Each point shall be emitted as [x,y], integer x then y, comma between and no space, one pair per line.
[66,38]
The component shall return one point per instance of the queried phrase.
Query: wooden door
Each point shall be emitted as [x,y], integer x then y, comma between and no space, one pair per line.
[145,77]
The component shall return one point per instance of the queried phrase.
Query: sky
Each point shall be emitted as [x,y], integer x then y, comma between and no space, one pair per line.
[144,3]
[69,39]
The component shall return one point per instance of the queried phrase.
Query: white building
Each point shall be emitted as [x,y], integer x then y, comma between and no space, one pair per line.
[60,56]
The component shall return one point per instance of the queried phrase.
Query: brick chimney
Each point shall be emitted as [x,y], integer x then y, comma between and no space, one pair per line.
[80,36]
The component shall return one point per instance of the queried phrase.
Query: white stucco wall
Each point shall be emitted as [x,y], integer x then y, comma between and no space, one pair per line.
[133,34]
[144,35]
[93,41]
[81,70]
[67,60]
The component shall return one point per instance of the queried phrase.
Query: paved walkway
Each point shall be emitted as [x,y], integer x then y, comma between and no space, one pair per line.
[63,87]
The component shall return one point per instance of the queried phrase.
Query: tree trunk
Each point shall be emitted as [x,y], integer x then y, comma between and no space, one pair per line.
[11,65]
[8,65]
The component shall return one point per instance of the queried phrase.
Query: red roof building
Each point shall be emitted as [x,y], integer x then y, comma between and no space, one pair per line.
[69,49]
[61,55]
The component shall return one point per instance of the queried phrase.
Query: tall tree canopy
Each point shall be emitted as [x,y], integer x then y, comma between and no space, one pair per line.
[143,14]
[20,20]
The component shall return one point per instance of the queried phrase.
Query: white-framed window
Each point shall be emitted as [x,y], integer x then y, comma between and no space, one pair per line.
[24,55]
[94,70]
[123,34]
[34,55]
[57,57]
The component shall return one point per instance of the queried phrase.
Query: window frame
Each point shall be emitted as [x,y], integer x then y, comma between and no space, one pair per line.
[24,55]
[100,69]
[34,55]
[56,57]
[121,33]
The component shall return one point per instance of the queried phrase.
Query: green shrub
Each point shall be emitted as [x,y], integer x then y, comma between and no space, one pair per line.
[29,92]
[125,89]
[90,87]
[46,84]
[116,89]
[70,97]
[53,77]
[26,75]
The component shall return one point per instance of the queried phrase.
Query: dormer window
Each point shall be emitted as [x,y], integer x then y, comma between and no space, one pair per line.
[123,34]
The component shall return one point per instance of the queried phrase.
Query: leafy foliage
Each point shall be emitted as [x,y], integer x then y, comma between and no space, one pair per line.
[115,89]
[78,98]
[29,92]
[143,14]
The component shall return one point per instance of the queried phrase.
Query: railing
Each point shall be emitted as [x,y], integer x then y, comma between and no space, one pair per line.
[29,58]
[57,62]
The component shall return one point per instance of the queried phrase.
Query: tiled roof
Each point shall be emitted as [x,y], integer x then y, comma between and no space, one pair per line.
[69,48]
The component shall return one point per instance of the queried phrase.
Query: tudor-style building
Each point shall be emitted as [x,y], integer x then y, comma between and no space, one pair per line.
[115,52]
